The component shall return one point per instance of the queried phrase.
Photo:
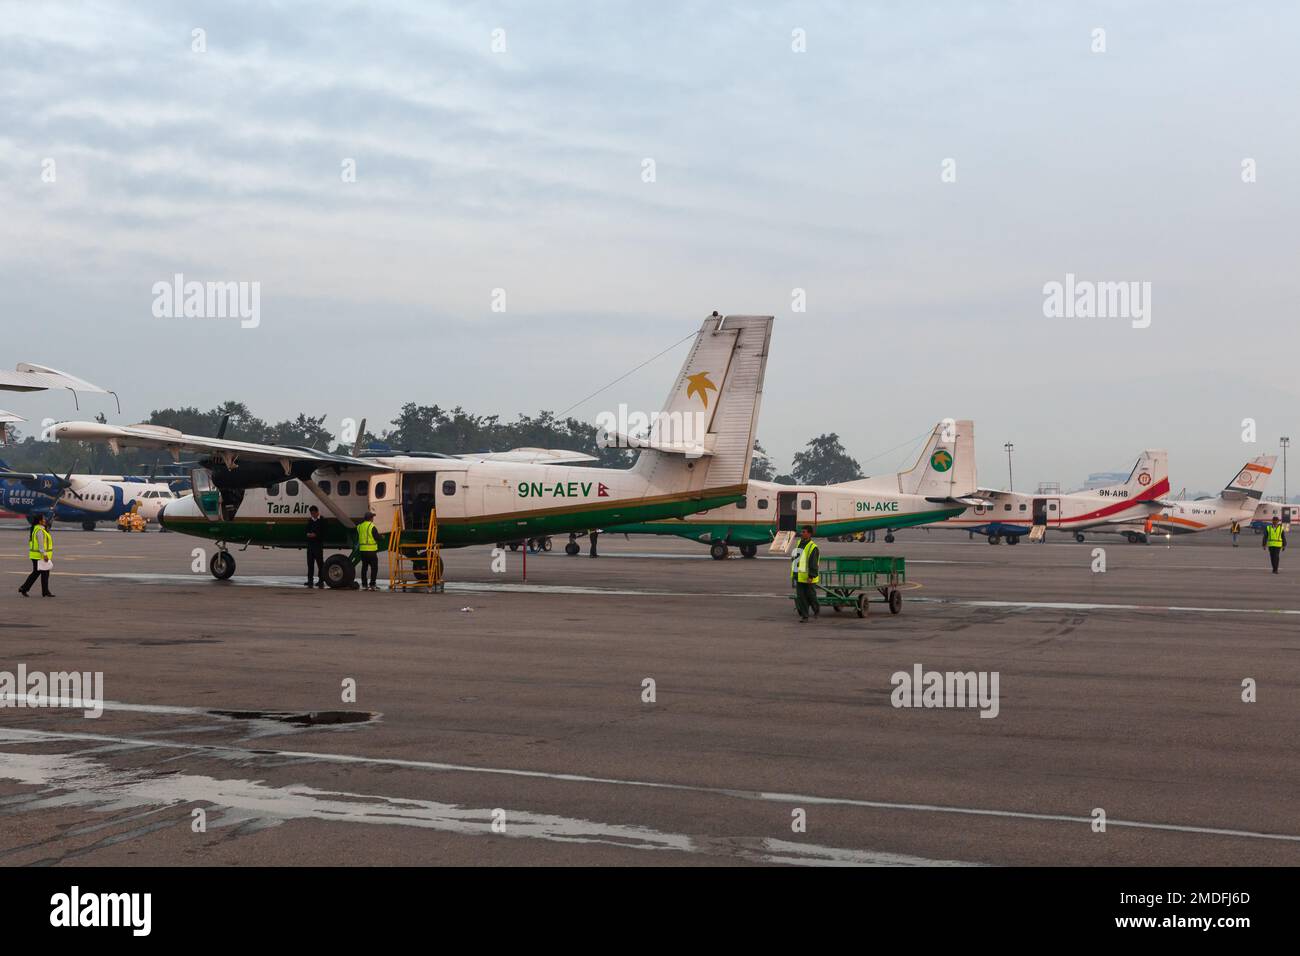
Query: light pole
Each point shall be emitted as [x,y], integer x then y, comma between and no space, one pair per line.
[1011,485]
[1285,442]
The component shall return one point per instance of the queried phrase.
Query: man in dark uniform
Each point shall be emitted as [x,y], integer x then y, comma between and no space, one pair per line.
[593,534]
[315,547]
[804,575]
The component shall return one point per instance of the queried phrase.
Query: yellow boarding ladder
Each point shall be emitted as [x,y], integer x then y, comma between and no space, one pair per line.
[414,564]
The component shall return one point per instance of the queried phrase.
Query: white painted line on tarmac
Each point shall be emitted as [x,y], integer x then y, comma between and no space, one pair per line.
[294,583]
[15,735]
[77,780]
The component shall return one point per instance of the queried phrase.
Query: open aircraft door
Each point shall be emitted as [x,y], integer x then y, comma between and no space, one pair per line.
[385,499]
[794,509]
[1047,512]
[206,494]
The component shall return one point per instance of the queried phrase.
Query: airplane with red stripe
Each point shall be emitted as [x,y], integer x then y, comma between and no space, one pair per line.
[1237,502]
[1013,514]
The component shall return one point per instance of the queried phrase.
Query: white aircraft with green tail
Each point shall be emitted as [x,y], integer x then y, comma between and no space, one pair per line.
[940,485]
[254,494]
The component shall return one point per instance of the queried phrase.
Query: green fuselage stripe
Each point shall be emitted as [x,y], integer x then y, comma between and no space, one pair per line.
[291,533]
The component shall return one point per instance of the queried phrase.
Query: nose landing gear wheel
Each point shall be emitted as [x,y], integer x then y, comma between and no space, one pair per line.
[889,538]
[339,572]
[718,550]
[1078,536]
[222,565]
[571,548]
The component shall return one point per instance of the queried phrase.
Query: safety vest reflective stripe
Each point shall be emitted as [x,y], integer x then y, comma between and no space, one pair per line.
[1274,533]
[366,536]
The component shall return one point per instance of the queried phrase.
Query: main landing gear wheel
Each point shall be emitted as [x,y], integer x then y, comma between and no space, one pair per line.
[994,539]
[718,550]
[1078,536]
[749,550]
[339,571]
[1013,539]
[222,565]
[572,548]
[546,543]
[889,538]
[895,601]
[87,526]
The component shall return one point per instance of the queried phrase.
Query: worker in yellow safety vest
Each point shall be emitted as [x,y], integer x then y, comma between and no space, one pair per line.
[368,545]
[803,575]
[40,548]
[1275,541]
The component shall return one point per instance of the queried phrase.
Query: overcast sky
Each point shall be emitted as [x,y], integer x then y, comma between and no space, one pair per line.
[775,170]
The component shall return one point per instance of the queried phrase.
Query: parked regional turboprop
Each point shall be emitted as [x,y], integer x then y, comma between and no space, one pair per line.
[1012,514]
[1237,502]
[247,493]
[934,488]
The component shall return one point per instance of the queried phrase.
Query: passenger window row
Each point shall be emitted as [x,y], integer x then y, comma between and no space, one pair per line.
[361,488]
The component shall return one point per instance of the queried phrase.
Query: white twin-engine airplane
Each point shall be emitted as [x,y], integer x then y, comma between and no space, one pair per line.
[1012,514]
[1238,501]
[253,494]
[934,488]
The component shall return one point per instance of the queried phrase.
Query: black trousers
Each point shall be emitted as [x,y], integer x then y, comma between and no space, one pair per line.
[1274,554]
[315,562]
[805,599]
[31,579]
[369,561]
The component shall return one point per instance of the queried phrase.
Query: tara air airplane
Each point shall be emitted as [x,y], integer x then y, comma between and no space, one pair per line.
[81,499]
[1012,514]
[1237,502]
[936,487]
[253,494]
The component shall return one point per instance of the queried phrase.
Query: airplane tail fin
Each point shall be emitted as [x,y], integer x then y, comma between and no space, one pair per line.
[1149,478]
[703,439]
[1252,480]
[946,467]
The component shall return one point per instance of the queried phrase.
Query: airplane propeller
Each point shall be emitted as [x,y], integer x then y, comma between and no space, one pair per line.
[65,483]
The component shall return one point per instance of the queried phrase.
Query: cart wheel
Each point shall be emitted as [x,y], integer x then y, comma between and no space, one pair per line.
[861,607]
[895,602]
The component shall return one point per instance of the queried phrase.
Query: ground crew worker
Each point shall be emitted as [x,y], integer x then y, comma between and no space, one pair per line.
[804,577]
[1275,541]
[315,547]
[1236,530]
[593,534]
[40,548]
[368,545]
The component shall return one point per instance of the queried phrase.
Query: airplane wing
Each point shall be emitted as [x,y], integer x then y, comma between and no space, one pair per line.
[18,475]
[227,452]
[532,456]
[36,378]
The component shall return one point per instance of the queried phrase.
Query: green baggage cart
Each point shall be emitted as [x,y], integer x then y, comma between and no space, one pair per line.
[849,582]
